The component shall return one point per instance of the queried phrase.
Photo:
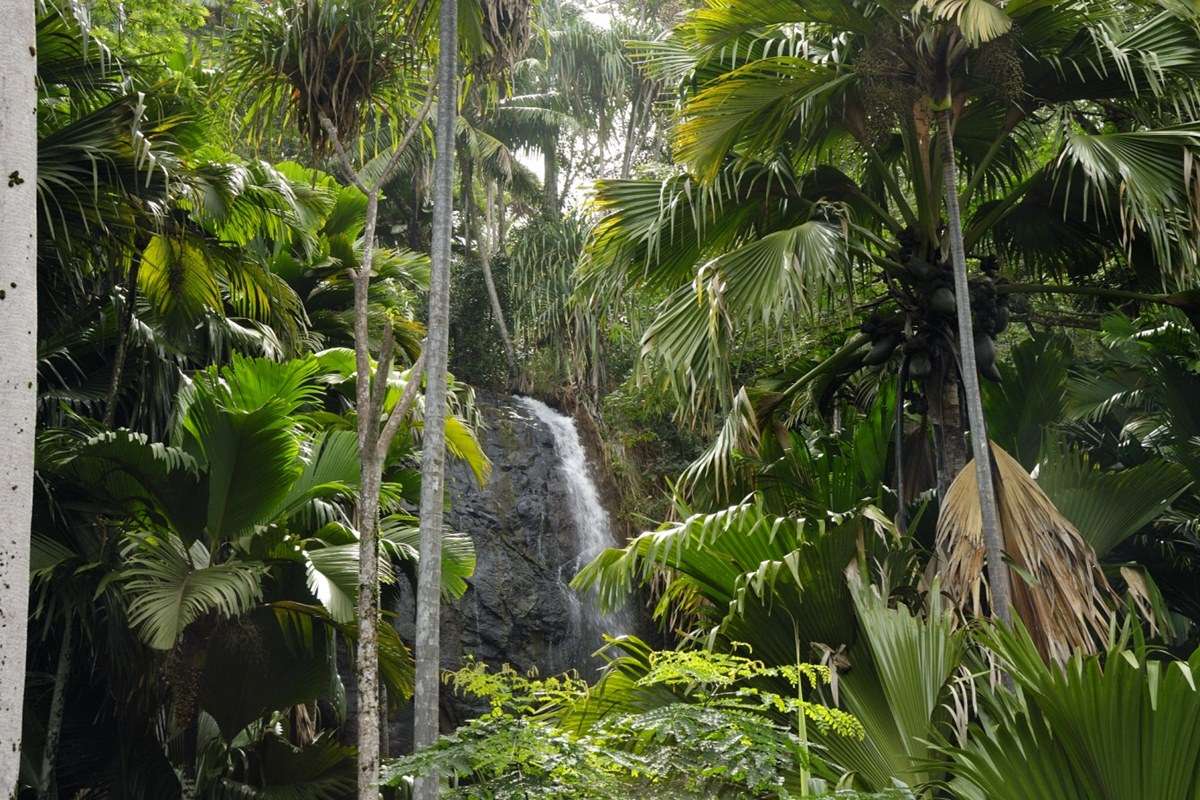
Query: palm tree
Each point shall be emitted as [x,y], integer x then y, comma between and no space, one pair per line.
[212,559]
[18,393]
[1067,160]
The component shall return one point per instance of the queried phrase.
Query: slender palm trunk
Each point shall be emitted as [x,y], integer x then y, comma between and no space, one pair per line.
[124,326]
[18,366]
[487,231]
[47,790]
[550,176]
[501,228]
[630,131]
[993,537]
[367,658]
[433,446]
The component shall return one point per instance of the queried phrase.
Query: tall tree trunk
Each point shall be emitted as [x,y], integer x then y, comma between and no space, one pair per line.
[630,130]
[124,326]
[373,441]
[48,789]
[501,225]
[550,176]
[367,657]
[485,262]
[433,445]
[18,366]
[993,536]
[945,412]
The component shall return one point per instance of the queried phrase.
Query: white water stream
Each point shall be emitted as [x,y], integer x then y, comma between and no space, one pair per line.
[593,529]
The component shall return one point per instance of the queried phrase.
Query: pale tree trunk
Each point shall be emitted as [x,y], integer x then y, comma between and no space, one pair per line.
[501,226]
[630,127]
[993,536]
[433,445]
[373,443]
[486,232]
[48,789]
[18,366]
[367,660]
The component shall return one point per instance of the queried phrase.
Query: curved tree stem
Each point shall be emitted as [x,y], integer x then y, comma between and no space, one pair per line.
[993,537]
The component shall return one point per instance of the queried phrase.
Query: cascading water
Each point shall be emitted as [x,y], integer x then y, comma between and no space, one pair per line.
[593,529]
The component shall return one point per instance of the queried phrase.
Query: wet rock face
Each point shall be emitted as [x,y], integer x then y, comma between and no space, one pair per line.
[518,610]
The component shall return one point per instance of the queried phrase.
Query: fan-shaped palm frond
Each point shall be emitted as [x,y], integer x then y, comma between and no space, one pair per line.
[171,586]
[1054,740]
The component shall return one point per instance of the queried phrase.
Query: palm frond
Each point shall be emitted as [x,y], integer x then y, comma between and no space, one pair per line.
[1058,588]
[170,587]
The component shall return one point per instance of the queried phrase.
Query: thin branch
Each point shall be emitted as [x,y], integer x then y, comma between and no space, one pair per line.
[347,166]
[382,370]
[400,412]
[414,126]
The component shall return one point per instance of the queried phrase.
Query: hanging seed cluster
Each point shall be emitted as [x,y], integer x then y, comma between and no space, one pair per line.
[923,334]
[887,88]
[998,66]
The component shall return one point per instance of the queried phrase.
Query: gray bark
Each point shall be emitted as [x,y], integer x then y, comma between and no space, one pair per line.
[993,537]
[373,445]
[433,446]
[47,788]
[367,522]
[487,231]
[550,175]
[18,366]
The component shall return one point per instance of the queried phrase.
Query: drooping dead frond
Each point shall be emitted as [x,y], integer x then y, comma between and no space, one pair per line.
[506,29]
[1057,585]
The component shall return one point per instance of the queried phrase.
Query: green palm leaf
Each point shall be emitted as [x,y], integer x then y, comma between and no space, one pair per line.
[170,587]
[1095,727]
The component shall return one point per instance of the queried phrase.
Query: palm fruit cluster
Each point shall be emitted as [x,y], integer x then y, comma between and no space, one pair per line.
[997,66]
[989,310]
[927,285]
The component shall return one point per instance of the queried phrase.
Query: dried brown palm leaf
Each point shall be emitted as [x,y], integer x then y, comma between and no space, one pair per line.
[1058,587]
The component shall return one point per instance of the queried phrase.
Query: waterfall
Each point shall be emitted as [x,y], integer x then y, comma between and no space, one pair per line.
[593,528]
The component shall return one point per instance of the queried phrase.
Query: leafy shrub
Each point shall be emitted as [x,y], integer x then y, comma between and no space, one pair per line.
[711,731]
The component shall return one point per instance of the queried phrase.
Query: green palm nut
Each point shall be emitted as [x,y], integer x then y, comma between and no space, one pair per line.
[881,350]
[920,366]
[942,301]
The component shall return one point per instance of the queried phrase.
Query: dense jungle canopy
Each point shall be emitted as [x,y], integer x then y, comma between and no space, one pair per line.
[600,399]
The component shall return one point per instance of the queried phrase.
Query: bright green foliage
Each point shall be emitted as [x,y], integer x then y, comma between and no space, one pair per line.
[721,735]
[1126,725]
